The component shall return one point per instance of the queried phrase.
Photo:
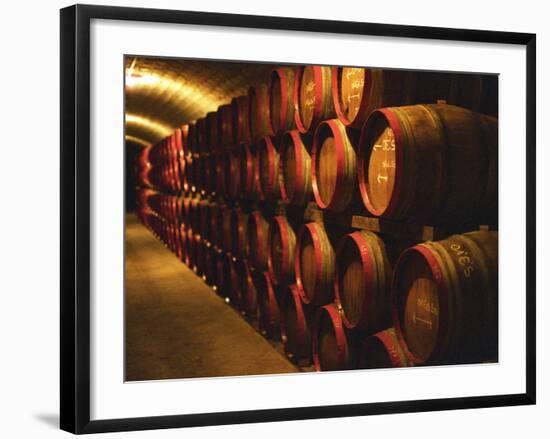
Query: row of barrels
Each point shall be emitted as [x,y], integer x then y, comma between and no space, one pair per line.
[440,297]
[424,163]
[301,97]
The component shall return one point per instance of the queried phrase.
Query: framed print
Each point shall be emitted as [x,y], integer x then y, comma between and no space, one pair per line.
[267,218]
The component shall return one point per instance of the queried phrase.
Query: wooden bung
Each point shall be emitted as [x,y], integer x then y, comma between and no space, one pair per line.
[445,300]
[362,281]
[429,163]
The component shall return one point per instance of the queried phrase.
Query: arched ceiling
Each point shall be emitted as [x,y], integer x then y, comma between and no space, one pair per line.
[164,93]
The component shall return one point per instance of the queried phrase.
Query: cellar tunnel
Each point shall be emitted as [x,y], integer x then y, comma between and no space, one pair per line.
[285,219]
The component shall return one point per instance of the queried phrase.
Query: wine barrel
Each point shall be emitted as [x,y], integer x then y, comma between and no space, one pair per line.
[227,242]
[194,214]
[225,126]
[209,178]
[204,219]
[183,243]
[216,219]
[282,245]
[228,279]
[314,264]
[429,162]
[382,350]
[258,107]
[362,281]
[295,168]
[281,102]
[249,178]
[358,91]
[210,259]
[445,299]
[295,326]
[313,100]
[239,229]
[268,169]
[334,166]
[329,342]
[192,145]
[258,239]
[212,141]
[220,162]
[202,137]
[231,177]
[241,114]
[249,300]
[268,307]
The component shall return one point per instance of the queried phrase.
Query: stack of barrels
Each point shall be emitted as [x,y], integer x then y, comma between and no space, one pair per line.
[228,193]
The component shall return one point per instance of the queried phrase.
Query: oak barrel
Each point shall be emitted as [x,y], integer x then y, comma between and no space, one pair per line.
[313,101]
[362,281]
[268,307]
[258,238]
[239,229]
[258,107]
[445,297]
[281,99]
[329,342]
[314,264]
[241,114]
[248,185]
[202,136]
[382,350]
[225,126]
[282,245]
[334,166]
[295,326]
[231,174]
[212,139]
[429,162]
[295,168]
[268,169]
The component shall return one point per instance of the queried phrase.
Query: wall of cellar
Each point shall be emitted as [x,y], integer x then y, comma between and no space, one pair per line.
[349,213]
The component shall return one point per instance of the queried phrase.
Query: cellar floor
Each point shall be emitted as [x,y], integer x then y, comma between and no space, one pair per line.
[177,327]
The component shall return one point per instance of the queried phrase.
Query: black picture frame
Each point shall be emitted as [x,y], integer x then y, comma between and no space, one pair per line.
[75,217]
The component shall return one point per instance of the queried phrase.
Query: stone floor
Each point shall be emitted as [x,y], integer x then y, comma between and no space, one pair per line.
[177,327]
